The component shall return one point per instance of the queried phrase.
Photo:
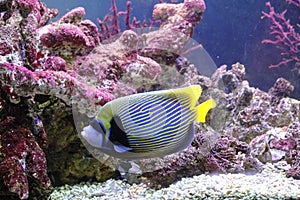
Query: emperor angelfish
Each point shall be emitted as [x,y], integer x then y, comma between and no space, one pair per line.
[147,125]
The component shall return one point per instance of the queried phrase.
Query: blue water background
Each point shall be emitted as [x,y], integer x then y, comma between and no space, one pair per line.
[230,31]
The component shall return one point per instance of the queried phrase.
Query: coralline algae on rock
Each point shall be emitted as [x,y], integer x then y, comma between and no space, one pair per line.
[65,59]
[41,60]
[22,156]
[264,120]
[70,35]
[252,131]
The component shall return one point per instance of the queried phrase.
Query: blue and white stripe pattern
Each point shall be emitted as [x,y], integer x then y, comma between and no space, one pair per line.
[155,121]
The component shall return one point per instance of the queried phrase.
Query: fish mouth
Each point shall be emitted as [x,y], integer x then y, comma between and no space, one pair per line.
[85,132]
[92,136]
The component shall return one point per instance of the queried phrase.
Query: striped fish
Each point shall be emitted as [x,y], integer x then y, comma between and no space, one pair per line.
[147,125]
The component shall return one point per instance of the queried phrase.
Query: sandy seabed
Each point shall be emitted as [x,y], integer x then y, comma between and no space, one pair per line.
[271,183]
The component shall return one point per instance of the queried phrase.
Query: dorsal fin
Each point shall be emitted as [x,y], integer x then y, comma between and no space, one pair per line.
[193,92]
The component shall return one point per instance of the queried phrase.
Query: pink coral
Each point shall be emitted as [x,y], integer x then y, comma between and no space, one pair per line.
[287,39]
[110,25]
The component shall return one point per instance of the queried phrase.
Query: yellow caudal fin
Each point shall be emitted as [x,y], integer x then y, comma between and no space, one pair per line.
[193,92]
[203,109]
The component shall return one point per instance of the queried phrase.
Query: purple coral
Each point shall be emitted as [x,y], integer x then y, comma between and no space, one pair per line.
[22,156]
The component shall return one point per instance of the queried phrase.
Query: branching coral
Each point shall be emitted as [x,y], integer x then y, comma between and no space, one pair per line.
[286,36]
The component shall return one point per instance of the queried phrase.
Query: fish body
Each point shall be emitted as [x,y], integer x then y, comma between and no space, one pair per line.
[147,125]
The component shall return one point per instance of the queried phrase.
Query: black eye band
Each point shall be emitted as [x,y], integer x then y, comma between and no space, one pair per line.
[97,124]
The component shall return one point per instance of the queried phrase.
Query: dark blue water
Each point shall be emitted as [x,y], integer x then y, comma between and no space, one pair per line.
[231,31]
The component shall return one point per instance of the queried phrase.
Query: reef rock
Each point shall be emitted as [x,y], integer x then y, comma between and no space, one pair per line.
[45,68]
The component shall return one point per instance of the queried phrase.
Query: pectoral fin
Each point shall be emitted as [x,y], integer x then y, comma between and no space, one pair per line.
[121,149]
